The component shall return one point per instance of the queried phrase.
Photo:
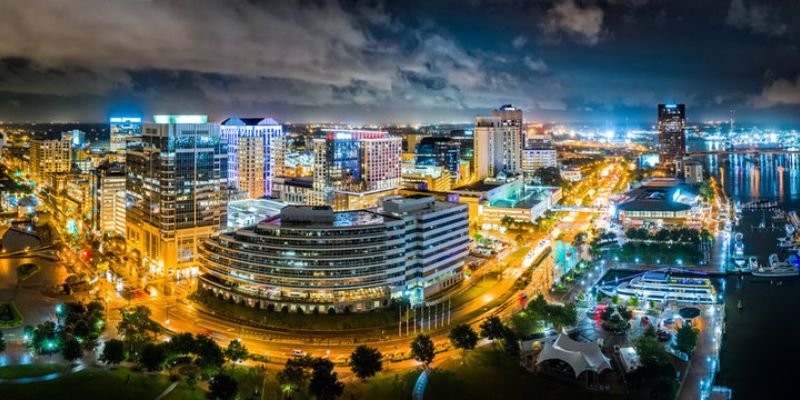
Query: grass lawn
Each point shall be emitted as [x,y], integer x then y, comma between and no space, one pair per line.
[250,380]
[25,271]
[10,317]
[486,374]
[29,370]
[276,319]
[489,374]
[96,383]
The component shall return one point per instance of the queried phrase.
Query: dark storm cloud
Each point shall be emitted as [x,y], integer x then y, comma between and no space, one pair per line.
[392,61]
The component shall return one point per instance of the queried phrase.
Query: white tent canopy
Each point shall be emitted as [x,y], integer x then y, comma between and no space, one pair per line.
[581,356]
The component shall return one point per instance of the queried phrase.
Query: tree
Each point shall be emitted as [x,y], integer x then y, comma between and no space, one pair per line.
[633,302]
[492,328]
[324,383]
[292,377]
[510,342]
[422,349]
[506,221]
[113,352]
[655,378]
[463,337]
[223,387]
[136,326]
[181,344]
[209,355]
[71,349]
[45,338]
[153,356]
[236,351]
[686,339]
[365,362]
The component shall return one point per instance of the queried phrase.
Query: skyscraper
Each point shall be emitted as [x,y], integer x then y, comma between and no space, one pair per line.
[498,145]
[177,183]
[121,129]
[251,166]
[440,152]
[49,156]
[109,207]
[671,135]
[353,168]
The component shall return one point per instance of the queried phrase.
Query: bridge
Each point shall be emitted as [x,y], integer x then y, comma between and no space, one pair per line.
[742,151]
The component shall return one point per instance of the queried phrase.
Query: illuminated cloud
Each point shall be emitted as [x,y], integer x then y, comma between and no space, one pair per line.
[581,23]
[779,92]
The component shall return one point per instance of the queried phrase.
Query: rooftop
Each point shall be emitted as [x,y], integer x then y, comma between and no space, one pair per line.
[323,218]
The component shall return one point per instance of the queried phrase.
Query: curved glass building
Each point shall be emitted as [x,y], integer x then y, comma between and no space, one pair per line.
[314,259]
[307,258]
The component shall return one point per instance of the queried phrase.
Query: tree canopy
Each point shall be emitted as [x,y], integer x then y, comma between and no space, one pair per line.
[422,349]
[365,362]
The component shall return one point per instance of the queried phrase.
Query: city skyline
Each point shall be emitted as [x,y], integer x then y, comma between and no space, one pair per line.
[432,62]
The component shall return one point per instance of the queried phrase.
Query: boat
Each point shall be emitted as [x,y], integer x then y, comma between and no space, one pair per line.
[663,285]
[776,269]
[739,305]
[786,242]
[738,246]
[752,263]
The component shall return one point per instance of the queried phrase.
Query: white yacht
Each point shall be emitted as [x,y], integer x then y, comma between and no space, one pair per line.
[776,269]
[660,285]
[752,263]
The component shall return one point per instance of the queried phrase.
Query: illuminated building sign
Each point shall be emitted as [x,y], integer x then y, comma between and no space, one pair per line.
[121,120]
[180,119]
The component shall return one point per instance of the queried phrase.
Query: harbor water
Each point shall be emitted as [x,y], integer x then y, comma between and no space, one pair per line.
[760,346]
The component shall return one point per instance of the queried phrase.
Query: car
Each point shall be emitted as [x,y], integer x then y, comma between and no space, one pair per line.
[299,353]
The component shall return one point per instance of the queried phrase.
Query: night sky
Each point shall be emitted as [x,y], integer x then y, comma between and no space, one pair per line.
[400,61]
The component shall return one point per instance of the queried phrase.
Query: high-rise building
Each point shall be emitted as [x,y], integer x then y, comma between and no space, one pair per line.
[176,185]
[354,168]
[440,152]
[109,198]
[121,129]
[251,167]
[498,147]
[49,156]
[671,135]
[692,171]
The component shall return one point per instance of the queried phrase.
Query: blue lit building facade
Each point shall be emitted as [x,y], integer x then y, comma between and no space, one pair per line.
[440,152]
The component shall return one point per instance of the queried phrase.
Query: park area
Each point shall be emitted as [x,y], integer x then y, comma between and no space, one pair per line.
[10,317]
[485,374]
[92,383]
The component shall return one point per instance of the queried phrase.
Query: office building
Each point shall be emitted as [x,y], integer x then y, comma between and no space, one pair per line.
[671,135]
[309,258]
[251,167]
[426,178]
[498,143]
[436,243]
[353,169]
[692,171]
[296,191]
[176,185]
[109,193]
[313,259]
[49,156]
[533,159]
[244,213]
[122,128]
[440,152]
